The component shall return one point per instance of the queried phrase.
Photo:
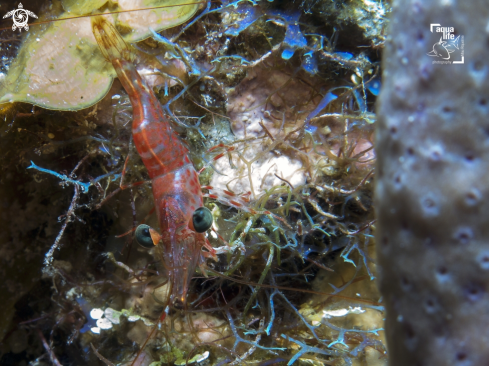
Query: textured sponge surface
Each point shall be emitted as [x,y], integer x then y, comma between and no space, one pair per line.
[432,189]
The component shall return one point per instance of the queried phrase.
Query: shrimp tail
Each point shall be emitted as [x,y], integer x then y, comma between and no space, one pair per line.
[109,40]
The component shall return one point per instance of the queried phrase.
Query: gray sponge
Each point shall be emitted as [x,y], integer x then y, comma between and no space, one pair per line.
[432,192]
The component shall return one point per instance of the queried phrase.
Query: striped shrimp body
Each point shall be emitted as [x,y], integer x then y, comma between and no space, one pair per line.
[176,188]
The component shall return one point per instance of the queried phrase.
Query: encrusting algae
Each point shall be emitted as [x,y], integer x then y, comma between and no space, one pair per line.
[278,110]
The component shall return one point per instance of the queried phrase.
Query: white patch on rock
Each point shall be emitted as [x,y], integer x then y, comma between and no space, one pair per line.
[342,312]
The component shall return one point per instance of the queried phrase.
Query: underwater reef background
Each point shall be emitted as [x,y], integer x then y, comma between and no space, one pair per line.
[275,101]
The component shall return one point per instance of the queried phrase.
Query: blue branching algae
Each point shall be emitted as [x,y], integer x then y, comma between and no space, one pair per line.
[64,178]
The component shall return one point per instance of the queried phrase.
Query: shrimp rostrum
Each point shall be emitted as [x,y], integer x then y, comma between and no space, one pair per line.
[175,183]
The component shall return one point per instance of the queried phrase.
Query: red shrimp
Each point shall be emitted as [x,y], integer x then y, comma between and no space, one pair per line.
[176,188]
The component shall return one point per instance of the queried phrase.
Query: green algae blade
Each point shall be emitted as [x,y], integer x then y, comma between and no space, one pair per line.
[61,67]
[174,12]
[82,7]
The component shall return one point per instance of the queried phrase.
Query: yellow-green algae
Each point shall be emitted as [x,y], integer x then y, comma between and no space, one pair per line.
[59,65]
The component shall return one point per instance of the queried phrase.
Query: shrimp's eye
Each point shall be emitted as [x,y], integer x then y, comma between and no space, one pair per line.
[202,219]
[143,236]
